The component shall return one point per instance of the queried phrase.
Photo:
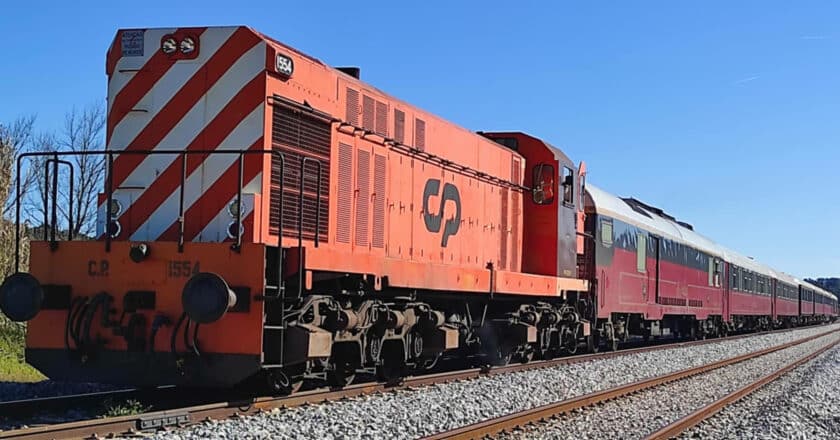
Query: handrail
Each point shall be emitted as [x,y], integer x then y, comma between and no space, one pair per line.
[53,158]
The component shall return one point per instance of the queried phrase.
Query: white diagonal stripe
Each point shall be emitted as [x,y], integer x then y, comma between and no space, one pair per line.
[216,229]
[129,65]
[190,126]
[164,89]
[244,135]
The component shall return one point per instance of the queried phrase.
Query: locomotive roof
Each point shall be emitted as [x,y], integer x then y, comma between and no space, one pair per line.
[657,221]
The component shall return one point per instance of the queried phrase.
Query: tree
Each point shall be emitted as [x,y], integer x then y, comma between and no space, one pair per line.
[76,204]
[15,138]
[83,132]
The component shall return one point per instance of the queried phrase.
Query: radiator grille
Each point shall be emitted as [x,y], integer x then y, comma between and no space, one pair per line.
[399,126]
[368,105]
[345,192]
[695,303]
[352,106]
[420,134]
[378,201]
[298,134]
[363,202]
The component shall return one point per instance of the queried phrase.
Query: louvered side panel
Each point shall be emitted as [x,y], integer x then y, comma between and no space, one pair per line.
[363,202]
[516,201]
[299,135]
[503,228]
[399,126]
[352,106]
[345,192]
[368,105]
[378,240]
[420,134]
[381,119]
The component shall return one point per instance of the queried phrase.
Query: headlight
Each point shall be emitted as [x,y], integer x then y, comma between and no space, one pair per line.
[233,208]
[21,296]
[116,208]
[187,45]
[169,46]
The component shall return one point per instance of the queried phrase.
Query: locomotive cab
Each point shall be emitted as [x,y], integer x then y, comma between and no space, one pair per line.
[553,211]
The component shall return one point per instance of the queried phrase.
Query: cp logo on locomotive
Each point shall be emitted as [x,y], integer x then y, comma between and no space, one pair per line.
[450,192]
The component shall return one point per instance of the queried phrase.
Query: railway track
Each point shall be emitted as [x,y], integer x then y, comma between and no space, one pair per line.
[541,414]
[174,416]
[678,427]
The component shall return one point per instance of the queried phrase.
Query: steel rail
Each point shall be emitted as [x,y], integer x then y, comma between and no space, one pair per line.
[237,407]
[708,411]
[520,419]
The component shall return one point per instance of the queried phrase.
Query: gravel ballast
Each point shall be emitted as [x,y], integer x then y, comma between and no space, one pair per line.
[409,414]
[803,404]
[639,415]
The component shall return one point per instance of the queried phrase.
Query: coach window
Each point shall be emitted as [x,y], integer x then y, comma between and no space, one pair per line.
[733,277]
[641,252]
[711,271]
[568,183]
[543,184]
[606,232]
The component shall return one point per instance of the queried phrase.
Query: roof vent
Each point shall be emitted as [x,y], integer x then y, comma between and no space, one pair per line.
[685,225]
[355,72]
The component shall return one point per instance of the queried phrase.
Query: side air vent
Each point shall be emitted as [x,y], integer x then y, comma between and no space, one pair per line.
[368,105]
[381,119]
[345,192]
[399,126]
[420,134]
[378,240]
[503,227]
[363,201]
[514,258]
[352,107]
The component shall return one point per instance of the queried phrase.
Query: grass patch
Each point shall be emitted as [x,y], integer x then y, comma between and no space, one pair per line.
[13,366]
[124,408]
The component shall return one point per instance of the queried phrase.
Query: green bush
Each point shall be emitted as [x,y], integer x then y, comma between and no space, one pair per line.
[13,366]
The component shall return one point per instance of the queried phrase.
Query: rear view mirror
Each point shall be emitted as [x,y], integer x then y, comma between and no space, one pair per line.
[543,184]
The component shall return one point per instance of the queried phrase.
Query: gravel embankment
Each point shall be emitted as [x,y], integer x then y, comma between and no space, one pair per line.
[641,414]
[803,404]
[415,413]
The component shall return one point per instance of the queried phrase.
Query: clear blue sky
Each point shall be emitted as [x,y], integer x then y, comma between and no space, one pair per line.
[723,113]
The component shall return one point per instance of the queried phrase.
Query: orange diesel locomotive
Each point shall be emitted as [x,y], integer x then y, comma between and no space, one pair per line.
[268,216]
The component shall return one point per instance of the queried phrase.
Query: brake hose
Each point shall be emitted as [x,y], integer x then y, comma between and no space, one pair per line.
[175,332]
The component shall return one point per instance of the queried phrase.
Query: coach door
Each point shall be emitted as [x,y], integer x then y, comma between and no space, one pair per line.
[728,283]
[654,272]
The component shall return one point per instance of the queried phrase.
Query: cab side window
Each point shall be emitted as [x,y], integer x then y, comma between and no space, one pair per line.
[542,185]
[568,183]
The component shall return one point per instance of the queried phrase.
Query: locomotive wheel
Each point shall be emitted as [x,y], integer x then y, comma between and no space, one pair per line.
[392,369]
[593,343]
[501,357]
[342,375]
